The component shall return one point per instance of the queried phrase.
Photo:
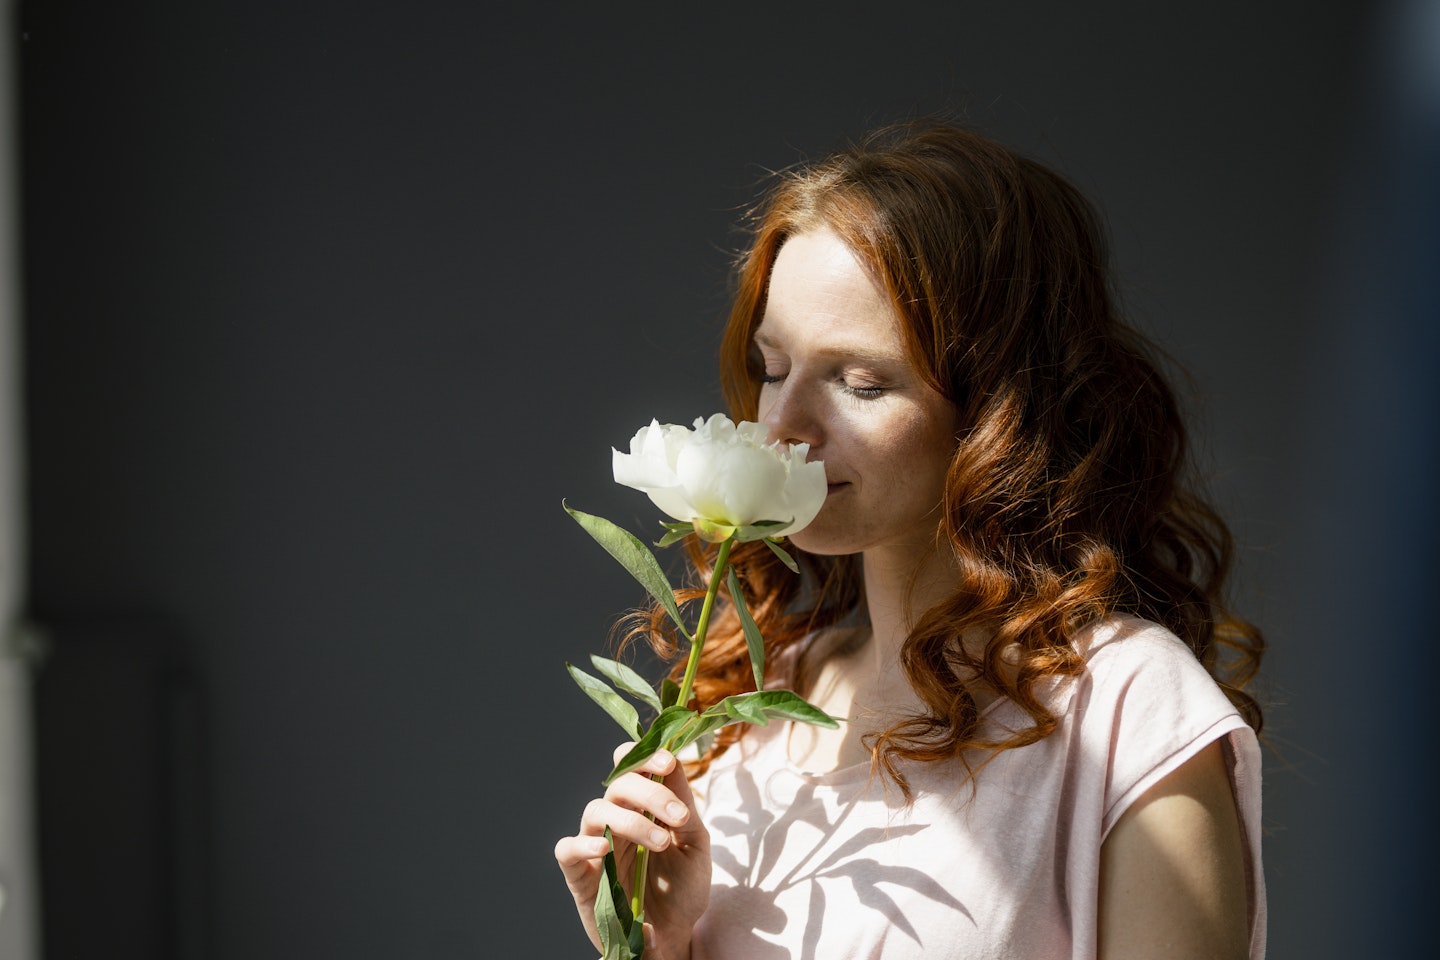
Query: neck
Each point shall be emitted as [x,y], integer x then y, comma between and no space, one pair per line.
[899,589]
[868,685]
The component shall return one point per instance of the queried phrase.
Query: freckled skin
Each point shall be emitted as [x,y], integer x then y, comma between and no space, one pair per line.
[837,377]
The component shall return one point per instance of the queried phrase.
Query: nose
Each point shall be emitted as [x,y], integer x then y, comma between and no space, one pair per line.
[789,414]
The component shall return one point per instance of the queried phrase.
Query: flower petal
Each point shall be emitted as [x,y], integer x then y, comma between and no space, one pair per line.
[733,482]
[648,467]
[723,474]
[805,491]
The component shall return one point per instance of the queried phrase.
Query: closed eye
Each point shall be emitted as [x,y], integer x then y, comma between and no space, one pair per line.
[863,393]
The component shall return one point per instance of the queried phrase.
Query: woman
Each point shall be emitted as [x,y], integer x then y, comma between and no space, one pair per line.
[1010,591]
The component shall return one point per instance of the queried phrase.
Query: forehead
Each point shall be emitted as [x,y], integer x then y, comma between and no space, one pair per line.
[819,291]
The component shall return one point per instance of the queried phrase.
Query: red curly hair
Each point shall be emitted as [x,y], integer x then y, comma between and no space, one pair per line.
[1067,499]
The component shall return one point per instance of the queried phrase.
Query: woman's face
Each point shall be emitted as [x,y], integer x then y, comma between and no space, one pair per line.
[836,376]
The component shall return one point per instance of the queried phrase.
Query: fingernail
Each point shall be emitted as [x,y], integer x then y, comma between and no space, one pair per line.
[601,846]
[675,811]
[658,837]
[663,757]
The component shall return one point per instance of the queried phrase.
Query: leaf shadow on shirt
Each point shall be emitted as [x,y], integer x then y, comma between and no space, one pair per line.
[767,835]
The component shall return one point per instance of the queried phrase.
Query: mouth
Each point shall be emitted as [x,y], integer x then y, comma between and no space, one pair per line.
[832,487]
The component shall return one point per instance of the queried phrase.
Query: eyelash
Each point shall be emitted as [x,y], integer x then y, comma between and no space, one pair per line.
[859,393]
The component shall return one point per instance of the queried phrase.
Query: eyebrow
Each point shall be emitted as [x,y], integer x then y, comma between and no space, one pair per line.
[864,356]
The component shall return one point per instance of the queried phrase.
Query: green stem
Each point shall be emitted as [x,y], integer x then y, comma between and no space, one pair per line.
[692,666]
[637,894]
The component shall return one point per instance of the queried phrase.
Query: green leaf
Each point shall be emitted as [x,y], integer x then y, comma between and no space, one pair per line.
[755,708]
[784,556]
[753,641]
[610,701]
[612,911]
[704,727]
[628,680]
[746,710]
[671,719]
[674,533]
[634,556]
[669,692]
[637,941]
[758,530]
[773,704]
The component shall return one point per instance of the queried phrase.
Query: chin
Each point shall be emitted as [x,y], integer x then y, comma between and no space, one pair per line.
[821,543]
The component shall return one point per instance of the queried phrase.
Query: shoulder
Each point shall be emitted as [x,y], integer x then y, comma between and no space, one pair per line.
[1130,643]
[1148,705]
[1138,668]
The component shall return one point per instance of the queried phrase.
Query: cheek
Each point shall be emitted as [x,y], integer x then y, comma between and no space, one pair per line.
[763,403]
[921,457]
[918,437]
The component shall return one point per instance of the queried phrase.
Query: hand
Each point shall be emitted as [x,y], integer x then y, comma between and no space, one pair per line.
[678,879]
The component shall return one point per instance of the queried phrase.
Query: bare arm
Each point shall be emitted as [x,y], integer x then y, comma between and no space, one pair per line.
[1172,871]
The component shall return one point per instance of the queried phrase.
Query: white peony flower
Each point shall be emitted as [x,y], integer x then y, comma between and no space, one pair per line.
[722,475]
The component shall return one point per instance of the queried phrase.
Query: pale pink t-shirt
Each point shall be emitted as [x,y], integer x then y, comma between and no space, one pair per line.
[835,866]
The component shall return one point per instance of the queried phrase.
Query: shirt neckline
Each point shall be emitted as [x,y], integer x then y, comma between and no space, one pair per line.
[780,740]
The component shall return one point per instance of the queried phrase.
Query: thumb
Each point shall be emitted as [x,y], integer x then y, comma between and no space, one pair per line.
[652,952]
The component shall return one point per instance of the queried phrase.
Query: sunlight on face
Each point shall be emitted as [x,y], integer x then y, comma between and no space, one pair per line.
[837,376]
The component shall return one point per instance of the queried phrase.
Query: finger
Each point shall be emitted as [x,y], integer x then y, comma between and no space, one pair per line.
[659,763]
[652,797]
[570,851]
[691,830]
[579,857]
[625,824]
[652,944]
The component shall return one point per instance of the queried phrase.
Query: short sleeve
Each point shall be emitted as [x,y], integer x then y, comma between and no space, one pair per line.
[1150,706]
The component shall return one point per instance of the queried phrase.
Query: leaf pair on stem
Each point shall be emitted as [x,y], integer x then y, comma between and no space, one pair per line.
[675,725]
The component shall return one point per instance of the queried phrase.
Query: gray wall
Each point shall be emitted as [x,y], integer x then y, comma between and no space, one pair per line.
[330,304]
